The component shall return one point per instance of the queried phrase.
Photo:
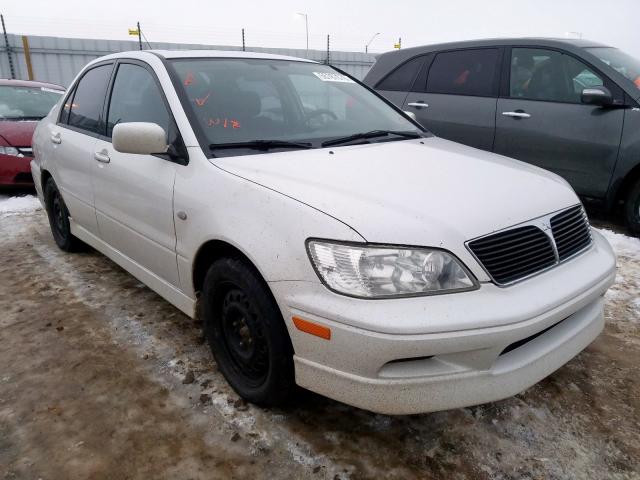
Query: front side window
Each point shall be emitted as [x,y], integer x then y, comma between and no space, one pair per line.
[540,74]
[620,61]
[88,100]
[464,72]
[243,100]
[27,103]
[136,98]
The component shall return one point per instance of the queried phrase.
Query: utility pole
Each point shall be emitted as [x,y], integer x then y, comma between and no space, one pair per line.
[243,49]
[139,36]
[328,52]
[6,42]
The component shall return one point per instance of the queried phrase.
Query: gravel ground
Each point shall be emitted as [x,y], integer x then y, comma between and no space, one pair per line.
[101,378]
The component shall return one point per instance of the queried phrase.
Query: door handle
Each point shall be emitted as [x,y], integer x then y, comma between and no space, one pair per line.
[55,138]
[102,157]
[417,104]
[516,114]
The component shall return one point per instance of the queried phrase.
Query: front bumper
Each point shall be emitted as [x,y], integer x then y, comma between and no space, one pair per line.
[15,171]
[398,356]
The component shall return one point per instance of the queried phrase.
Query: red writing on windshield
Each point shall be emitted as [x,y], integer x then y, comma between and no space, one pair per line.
[224,122]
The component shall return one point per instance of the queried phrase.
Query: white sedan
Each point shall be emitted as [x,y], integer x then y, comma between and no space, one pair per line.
[326,239]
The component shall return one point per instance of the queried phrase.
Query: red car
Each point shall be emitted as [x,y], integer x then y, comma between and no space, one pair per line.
[22,104]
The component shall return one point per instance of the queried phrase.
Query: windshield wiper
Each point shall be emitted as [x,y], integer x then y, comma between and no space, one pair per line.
[260,145]
[371,134]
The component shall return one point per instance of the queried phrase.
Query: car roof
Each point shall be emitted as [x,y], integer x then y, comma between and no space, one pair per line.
[29,83]
[390,60]
[172,54]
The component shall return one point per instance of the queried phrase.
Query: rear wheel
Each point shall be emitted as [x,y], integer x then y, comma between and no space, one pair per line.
[246,333]
[59,219]
[632,208]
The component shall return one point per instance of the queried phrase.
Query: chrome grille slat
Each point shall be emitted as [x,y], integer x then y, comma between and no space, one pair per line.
[522,251]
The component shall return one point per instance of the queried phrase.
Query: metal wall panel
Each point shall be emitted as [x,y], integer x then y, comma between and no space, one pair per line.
[59,59]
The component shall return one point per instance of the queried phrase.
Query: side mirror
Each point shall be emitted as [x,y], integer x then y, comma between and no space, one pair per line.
[139,137]
[411,115]
[597,96]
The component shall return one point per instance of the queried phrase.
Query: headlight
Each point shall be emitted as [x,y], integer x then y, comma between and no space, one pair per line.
[387,271]
[10,151]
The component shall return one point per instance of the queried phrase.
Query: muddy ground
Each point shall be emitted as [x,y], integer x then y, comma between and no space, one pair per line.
[93,368]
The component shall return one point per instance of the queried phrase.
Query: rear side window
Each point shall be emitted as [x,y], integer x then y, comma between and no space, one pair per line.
[88,100]
[136,98]
[464,72]
[402,77]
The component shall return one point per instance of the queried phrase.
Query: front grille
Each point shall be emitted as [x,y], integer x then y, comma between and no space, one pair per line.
[513,254]
[571,232]
[519,252]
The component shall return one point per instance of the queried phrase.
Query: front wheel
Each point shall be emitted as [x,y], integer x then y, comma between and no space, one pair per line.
[632,208]
[246,333]
[59,219]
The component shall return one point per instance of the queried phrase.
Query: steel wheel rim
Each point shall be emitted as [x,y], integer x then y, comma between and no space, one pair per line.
[244,337]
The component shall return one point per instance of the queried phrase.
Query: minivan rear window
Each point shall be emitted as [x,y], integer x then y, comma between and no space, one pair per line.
[401,79]
[464,72]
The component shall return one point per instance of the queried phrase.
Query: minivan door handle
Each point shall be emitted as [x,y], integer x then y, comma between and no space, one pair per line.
[517,114]
[55,138]
[102,156]
[417,104]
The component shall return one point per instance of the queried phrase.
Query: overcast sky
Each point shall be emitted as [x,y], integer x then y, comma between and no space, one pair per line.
[351,23]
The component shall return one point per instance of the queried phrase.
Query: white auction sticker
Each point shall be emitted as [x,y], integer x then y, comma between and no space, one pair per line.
[333,77]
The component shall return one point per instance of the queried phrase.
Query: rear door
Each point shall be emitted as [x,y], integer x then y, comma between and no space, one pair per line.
[73,139]
[456,98]
[541,119]
[134,193]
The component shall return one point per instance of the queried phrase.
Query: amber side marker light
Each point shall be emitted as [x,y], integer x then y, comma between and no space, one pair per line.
[312,328]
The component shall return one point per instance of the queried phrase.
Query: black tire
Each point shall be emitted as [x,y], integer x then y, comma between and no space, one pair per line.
[246,333]
[59,219]
[632,208]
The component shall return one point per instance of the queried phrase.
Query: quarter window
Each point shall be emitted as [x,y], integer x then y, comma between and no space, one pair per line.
[539,74]
[136,98]
[88,101]
[401,79]
[464,72]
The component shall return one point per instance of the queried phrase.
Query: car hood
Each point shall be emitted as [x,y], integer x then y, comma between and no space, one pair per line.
[428,192]
[17,133]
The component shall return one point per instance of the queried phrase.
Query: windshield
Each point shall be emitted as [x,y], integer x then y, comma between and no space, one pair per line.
[243,100]
[620,61]
[26,103]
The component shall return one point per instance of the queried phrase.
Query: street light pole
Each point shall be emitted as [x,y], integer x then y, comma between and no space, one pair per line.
[366,48]
[306,27]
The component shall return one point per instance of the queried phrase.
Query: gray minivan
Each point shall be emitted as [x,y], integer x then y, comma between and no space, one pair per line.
[568,105]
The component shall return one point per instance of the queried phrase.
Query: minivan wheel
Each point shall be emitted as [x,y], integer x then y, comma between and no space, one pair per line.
[59,219]
[246,333]
[632,208]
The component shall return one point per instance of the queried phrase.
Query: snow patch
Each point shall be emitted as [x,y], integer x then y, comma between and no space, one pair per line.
[622,244]
[18,205]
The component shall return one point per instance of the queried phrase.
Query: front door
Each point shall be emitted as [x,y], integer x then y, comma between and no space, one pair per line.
[542,120]
[134,193]
[457,99]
